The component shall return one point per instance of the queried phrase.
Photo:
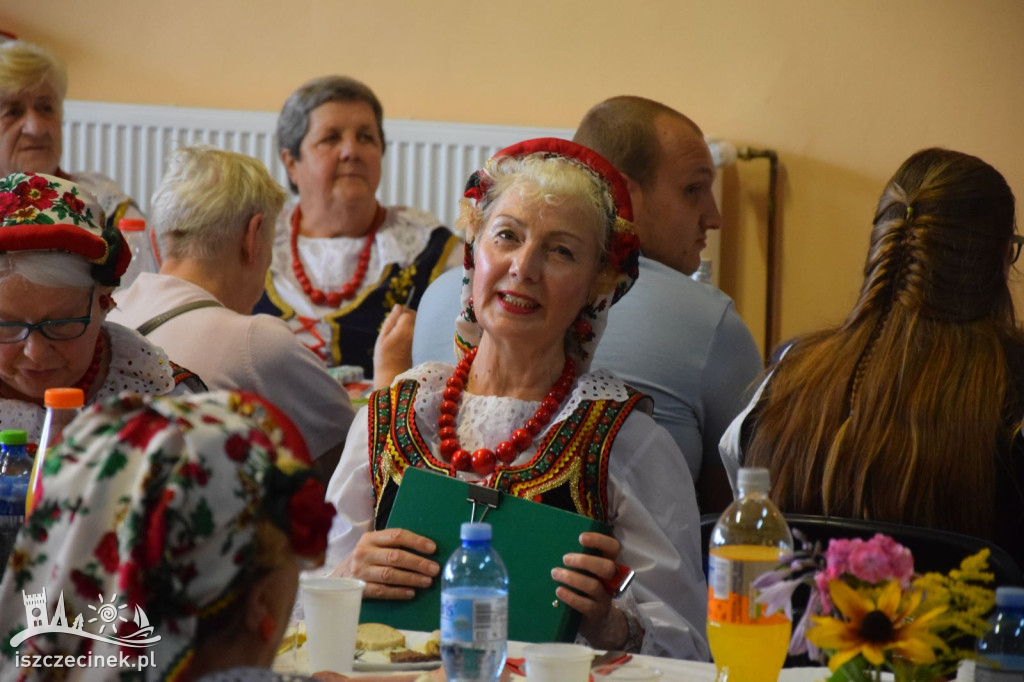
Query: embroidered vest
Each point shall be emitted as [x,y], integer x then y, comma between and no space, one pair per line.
[355,325]
[568,471]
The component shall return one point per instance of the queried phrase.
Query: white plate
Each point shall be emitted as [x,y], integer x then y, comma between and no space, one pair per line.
[385,665]
[380,661]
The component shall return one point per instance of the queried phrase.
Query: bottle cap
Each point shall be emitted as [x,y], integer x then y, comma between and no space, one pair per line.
[13,437]
[1010,596]
[475,531]
[64,397]
[131,224]
[753,479]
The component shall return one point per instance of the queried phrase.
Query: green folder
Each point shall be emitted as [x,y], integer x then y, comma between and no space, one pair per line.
[531,538]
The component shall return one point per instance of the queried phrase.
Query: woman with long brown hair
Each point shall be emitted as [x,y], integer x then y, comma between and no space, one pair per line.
[911,410]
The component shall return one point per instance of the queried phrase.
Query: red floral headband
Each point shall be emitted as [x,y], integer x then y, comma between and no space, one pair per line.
[623,247]
[479,181]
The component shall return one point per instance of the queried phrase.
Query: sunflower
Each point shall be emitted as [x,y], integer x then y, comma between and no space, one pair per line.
[874,627]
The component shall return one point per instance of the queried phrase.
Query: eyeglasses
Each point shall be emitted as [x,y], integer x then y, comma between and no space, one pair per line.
[55,330]
[1016,241]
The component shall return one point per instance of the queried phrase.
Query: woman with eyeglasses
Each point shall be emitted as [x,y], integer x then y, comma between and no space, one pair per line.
[58,267]
[910,411]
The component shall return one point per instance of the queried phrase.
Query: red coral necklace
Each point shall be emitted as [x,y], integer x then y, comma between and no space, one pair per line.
[483,461]
[334,298]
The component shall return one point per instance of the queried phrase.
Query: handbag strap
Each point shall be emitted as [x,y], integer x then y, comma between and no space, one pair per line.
[149,325]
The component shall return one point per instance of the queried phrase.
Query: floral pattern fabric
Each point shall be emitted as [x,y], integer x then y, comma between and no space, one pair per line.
[47,213]
[155,503]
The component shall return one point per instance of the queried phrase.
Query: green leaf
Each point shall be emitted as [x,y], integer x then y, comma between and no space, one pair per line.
[202,519]
[114,463]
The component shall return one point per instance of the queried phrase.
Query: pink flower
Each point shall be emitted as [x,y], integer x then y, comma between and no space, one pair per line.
[821,583]
[870,563]
[901,561]
[873,561]
[838,557]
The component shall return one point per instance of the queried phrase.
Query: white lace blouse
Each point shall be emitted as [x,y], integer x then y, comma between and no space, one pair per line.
[331,262]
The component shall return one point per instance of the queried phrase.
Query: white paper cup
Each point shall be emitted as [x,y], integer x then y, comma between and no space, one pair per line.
[332,615]
[554,662]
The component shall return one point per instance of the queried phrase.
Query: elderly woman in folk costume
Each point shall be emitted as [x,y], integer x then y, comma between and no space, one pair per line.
[59,265]
[549,249]
[342,261]
[199,512]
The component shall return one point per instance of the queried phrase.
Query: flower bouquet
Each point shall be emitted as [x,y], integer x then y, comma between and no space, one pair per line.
[868,612]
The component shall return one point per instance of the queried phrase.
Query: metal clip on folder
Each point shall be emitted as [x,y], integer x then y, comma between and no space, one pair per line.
[488,497]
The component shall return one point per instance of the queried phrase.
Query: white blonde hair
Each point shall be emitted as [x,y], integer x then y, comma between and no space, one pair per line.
[551,179]
[24,65]
[207,196]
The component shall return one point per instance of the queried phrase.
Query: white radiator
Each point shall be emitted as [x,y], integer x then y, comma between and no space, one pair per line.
[426,164]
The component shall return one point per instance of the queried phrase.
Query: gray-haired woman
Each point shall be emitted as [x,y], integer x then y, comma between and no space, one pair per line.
[342,261]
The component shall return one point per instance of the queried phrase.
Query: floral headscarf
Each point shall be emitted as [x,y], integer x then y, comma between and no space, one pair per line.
[154,504]
[46,213]
[623,247]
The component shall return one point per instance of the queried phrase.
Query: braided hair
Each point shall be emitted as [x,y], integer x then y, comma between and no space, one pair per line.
[910,402]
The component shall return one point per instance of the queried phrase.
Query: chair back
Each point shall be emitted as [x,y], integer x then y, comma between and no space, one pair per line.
[933,550]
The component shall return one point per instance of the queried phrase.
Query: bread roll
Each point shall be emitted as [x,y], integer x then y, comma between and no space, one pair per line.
[377,636]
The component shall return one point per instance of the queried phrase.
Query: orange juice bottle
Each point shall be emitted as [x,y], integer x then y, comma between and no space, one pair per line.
[749,539]
[62,404]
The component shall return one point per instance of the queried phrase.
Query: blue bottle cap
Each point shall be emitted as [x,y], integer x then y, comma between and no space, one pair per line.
[475,531]
[1010,596]
[13,437]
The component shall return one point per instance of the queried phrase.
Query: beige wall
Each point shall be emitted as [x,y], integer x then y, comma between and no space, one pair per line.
[842,90]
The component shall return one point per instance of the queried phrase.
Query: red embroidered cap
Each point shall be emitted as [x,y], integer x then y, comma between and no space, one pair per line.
[46,213]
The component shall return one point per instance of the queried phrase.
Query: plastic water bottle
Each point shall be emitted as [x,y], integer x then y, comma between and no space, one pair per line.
[15,469]
[134,231]
[474,608]
[1001,649]
[62,405]
[748,540]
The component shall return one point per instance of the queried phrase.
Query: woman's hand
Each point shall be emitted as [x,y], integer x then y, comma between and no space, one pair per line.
[392,352]
[385,560]
[603,625]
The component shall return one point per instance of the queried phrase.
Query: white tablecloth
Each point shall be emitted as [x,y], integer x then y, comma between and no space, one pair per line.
[672,670]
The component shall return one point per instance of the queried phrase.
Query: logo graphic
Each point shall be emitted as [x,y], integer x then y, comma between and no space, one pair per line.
[107,614]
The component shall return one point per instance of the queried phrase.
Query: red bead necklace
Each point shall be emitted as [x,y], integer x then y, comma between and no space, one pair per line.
[351,287]
[483,461]
[85,383]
